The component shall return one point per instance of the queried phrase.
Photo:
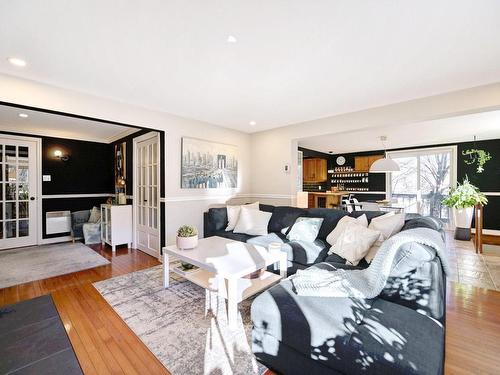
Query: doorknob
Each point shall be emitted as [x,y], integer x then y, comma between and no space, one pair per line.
[32,198]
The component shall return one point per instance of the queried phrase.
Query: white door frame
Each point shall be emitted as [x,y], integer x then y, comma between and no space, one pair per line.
[38,176]
[135,141]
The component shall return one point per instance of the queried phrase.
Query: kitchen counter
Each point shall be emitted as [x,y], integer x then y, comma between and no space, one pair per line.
[325,199]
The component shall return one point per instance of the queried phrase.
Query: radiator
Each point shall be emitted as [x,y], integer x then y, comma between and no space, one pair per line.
[58,222]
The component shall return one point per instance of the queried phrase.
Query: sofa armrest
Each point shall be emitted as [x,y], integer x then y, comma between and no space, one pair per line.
[208,227]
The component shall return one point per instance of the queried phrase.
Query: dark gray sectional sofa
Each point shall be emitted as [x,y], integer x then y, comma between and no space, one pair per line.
[402,331]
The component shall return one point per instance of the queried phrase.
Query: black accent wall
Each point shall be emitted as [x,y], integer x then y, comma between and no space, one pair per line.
[89,169]
[488,181]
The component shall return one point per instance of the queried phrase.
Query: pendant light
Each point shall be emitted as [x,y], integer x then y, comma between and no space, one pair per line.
[386,164]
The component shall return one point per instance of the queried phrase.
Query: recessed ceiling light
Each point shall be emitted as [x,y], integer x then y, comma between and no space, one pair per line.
[231,39]
[17,61]
[23,115]
[253,123]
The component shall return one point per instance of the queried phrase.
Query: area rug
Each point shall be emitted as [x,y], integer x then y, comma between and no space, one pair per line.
[18,266]
[185,334]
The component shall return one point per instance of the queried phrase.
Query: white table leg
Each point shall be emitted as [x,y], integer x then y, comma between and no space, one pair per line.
[166,270]
[283,265]
[232,302]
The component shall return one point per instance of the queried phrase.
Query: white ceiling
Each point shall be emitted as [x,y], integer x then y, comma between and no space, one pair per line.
[454,129]
[294,60]
[51,125]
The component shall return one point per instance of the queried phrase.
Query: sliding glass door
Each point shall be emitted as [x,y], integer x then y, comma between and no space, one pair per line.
[426,176]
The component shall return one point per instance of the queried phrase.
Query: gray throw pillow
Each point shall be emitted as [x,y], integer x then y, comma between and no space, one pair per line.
[305,229]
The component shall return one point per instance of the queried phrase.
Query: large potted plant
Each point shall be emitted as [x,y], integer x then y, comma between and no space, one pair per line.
[187,237]
[462,200]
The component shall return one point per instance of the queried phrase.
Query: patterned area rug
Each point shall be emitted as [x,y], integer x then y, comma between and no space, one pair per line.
[176,326]
[18,266]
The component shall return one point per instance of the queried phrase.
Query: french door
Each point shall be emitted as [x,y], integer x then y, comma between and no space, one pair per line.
[147,194]
[424,179]
[18,192]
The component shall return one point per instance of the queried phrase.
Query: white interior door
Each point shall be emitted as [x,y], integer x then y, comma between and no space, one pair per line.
[147,195]
[18,192]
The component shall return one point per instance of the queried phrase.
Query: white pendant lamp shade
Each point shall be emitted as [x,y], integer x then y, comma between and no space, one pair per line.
[384,165]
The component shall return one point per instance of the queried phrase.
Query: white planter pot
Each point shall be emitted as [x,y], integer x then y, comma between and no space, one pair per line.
[185,243]
[463,217]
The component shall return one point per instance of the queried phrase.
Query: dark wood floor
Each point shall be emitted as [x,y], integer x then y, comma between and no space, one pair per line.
[105,345]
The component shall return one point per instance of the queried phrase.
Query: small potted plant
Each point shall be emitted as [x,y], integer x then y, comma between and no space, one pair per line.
[462,201]
[187,237]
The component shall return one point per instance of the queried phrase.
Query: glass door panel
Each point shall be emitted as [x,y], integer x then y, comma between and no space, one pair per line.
[425,177]
[17,181]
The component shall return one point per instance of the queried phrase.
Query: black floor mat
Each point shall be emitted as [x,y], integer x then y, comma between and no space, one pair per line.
[33,340]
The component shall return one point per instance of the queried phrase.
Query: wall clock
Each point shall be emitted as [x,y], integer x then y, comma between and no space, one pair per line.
[340,160]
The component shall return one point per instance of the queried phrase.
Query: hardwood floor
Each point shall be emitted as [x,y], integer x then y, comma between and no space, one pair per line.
[105,345]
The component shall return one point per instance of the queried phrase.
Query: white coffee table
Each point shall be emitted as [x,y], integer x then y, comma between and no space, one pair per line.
[223,263]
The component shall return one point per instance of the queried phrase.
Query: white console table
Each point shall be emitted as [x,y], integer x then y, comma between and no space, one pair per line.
[116,225]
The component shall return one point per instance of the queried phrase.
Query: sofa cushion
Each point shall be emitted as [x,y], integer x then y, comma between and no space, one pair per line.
[349,335]
[284,216]
[369,214]
[417,221]
[422,290]
[218,217]
[330,219]
[233,236]
[306,253]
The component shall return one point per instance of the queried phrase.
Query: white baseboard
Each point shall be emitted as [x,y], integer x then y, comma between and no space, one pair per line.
[48,241]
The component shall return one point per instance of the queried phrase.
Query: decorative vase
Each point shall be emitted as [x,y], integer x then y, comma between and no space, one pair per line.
[185,243]
[462,218]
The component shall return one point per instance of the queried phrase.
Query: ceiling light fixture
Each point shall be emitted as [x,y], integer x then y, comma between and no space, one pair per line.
[231,39]
[17,62]
[23,115]
[386,164]
[253,123]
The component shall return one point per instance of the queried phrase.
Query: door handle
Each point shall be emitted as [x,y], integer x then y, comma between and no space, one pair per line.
[32,198]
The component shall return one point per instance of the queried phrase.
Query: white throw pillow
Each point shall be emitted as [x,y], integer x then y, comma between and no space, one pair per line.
[341,225]
[373,251]
[252,222]
[354,243]
[95,215]
[388,225]
[305,229]
[233,213]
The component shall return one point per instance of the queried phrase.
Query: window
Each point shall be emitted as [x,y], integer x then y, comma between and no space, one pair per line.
[426,176]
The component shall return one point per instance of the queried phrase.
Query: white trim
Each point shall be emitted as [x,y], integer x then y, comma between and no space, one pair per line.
[489,232]
[229,196]
[47,241]
[493,194]
[62,196]
[122,134]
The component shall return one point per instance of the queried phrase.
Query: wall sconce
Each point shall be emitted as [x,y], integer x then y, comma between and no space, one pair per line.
[58,154]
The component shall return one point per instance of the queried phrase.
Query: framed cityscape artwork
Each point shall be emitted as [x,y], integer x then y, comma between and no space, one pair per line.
[208,165]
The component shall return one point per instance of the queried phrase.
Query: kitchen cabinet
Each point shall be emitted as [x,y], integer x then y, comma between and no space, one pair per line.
[314,170]
[363,163]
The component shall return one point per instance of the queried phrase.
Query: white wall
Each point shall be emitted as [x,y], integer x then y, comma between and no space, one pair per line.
[272,150]
[184,206]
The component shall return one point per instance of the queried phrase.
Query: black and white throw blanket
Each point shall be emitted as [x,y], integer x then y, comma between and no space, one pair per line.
[369,282]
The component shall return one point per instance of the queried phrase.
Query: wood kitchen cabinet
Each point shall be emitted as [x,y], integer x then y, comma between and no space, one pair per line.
[314,170]
[363,163]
